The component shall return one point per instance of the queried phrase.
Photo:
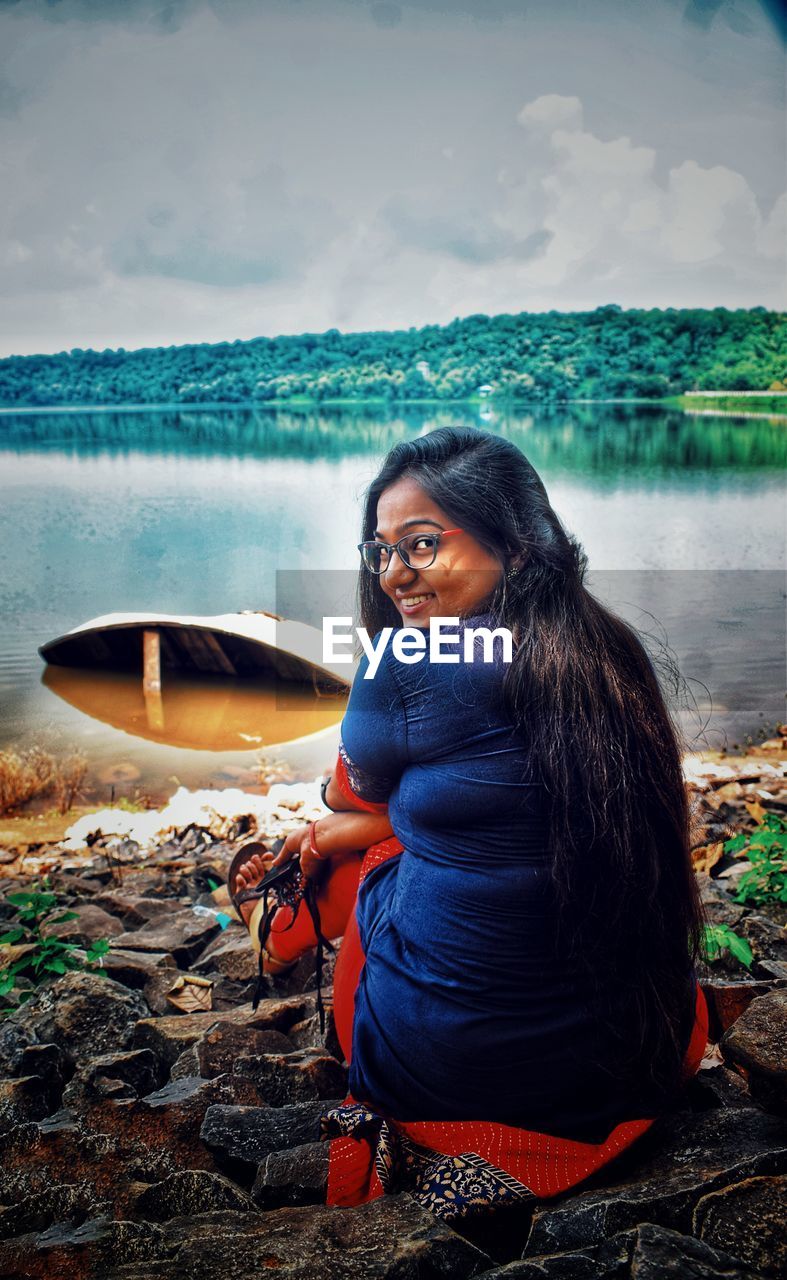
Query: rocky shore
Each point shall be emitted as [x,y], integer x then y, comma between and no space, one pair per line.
[152,1125]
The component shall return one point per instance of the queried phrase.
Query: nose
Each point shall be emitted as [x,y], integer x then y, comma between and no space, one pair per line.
[397,572]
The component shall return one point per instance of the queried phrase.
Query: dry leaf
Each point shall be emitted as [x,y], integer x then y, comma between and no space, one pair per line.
[9,952]
[191,994]
[706,856]
[712,1057]
[754,809]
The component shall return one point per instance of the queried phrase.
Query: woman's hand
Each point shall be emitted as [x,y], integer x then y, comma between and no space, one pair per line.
[298,843]
[336,837]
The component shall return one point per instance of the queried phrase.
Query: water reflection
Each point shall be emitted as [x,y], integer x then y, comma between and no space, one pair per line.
[610,441]
[209,714]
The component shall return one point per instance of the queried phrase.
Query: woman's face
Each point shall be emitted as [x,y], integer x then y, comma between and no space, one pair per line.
[463,575]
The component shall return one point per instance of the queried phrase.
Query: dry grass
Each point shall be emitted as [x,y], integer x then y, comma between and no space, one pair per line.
[29,773]
[69,777]
[24,774]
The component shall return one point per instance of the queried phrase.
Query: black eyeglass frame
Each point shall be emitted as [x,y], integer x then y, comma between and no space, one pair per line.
[390,547]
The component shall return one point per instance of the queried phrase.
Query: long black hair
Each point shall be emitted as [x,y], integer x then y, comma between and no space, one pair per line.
[584,692]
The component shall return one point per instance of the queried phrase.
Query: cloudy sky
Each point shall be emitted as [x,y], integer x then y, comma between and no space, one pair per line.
[204,170]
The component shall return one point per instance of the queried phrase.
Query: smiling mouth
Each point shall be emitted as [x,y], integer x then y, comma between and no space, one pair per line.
[415,601]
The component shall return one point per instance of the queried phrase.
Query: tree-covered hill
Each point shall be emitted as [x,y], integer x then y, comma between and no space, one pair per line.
[606,353]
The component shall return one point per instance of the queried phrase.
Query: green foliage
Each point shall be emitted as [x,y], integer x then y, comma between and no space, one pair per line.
[33,956]
[554,356]
[718,938]
[766,850]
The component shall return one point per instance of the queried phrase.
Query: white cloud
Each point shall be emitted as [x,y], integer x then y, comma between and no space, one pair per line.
[261,168]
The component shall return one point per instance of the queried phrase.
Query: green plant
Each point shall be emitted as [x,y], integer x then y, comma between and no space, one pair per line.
[27,953]
[720,937]
[766,850]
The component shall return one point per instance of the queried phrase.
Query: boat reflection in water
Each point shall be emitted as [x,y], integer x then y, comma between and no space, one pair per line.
[209,713]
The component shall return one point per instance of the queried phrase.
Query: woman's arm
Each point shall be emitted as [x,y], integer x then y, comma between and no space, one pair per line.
[343,838]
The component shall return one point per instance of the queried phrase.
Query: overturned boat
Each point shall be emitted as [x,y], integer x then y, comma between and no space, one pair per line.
[252,643]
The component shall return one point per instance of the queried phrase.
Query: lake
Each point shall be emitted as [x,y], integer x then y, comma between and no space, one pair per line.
[206,511]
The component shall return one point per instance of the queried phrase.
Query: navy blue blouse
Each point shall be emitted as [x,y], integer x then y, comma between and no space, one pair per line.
[464,1010]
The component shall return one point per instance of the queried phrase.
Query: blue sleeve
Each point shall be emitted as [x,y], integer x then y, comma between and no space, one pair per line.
[373,742]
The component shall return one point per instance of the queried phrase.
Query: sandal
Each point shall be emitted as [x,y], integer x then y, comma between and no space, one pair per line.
[287,886]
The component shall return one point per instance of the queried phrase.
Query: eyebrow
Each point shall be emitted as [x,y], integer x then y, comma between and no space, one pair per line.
[416,520]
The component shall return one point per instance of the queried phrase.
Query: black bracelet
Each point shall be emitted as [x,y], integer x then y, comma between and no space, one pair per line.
[323,790]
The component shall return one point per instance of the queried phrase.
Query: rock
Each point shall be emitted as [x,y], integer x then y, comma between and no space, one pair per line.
[80,1251]
[81,1012]
[45,1060]
[231,955]
[758,1042]
[218,1049]
[91,923]
[133,909]
[182,934]
[34,1158]
[26,1098]
[717,905]
[748,1221]
[302,1076]
[138,1069]
[391,1238]
[681,1159]
[718,1087]
[191,1191]
[728,999]
[659,1254]
[135,968]
[297,1176]
[39,1210]
[250,1134]
[768,939]
[307,1035]
[169,1036]
[774,970]
[171,1118]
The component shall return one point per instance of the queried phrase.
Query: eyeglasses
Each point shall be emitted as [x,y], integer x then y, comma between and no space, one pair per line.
[417,550]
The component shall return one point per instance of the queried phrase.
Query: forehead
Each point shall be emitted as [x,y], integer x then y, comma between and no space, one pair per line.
[405,500]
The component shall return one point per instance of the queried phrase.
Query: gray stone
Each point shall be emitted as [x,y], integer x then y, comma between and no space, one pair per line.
[219,1048]
[303,1076]
[132,908]
[250,1134]
[717,905]
[718,1087]
[138,1069]
[389,1239]
[191,1191]
[748,1220]
[57,1203]
[728,999]
[231,955]
[758,1042]
[26,1098]
[87,1250]
[81,1012]
[183,935]
[768,939]
[91,923]
[168,1036]
[135,968]
[680,1160]
[297,1176]
[660,1254]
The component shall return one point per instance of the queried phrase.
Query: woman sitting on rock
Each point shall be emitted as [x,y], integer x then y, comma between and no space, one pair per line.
[507,860]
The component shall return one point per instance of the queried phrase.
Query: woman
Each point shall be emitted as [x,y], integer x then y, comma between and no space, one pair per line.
[515,991]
